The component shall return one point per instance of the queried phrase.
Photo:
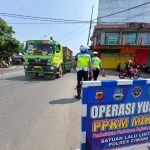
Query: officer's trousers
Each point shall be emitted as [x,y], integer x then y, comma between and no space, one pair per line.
[81,76]
[95,73]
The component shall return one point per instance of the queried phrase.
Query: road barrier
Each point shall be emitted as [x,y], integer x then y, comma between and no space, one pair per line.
[115,114]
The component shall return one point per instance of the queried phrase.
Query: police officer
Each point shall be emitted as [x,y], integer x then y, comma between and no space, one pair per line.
[96,65]
[83,64]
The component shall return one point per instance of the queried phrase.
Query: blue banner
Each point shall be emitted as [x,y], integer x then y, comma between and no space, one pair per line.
[115,114]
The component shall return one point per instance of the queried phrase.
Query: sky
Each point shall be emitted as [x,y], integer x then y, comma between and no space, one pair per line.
[70,35]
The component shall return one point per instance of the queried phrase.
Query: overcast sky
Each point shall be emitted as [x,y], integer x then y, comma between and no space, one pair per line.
[71,35]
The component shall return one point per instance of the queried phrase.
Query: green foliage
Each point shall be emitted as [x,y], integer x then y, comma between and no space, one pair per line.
[8,44]
[21,48]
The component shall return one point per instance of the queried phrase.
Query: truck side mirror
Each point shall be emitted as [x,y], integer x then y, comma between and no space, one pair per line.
[57,51]
[57,48]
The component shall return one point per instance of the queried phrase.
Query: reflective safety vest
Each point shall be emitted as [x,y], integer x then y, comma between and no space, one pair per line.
[96,62]
[83,61]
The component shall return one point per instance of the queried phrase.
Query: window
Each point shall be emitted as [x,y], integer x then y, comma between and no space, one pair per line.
[130,37]
[112,38]
[40,47]
[146,36]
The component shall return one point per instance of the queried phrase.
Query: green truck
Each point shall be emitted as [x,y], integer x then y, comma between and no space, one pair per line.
[47,58]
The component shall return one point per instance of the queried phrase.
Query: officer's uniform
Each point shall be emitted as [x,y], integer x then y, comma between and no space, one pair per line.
[83,62]
[96,63]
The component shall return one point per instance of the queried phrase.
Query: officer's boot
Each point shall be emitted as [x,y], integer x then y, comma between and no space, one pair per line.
[78,96]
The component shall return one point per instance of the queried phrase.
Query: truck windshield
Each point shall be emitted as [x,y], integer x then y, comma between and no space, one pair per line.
[49,48]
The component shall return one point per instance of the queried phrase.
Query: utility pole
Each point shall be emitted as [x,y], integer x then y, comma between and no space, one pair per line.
[90,26]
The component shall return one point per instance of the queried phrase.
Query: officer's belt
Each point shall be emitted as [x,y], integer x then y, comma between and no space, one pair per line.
[82,68]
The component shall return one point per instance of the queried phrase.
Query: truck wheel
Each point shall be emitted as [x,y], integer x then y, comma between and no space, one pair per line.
[29,75]
[121,76]
[60,72]
[50,77]
[136,75]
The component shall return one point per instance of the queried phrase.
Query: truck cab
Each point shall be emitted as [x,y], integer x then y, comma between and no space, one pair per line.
[43,57]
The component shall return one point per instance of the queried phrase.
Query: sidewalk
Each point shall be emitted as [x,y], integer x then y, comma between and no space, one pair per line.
[12,69]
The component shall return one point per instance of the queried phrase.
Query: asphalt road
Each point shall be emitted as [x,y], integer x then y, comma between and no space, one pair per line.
[39,114]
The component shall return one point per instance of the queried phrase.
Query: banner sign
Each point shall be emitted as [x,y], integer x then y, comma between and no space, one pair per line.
[115,114]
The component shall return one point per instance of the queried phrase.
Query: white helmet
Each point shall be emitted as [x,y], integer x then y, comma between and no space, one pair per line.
[95,53]
[82,48]
[86,48]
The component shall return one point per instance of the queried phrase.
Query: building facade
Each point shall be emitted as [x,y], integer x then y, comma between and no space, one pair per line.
[118,43]
[137,14]
[123,36]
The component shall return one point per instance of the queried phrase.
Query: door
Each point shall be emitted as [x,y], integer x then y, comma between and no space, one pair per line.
[112,61]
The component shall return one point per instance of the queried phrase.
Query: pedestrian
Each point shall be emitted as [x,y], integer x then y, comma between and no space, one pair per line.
[83,65]
[96,65]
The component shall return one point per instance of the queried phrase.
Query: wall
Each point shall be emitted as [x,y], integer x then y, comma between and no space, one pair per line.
[111,6]
[112,61]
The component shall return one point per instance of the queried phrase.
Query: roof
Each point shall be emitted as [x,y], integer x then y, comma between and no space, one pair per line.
[124,26]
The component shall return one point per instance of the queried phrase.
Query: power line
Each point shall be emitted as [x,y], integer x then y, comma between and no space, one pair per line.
[15,15]
[68,33]
[45,23]
[42,18]
[123,21]
[80,33]
[60,20]
[36,23]
[122,11]
[137,15]
[77,35]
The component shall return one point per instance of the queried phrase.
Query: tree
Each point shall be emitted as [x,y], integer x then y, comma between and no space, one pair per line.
[8,44]
[21,48]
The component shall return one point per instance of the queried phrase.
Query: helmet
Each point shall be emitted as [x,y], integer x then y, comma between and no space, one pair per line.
[129,61]
[95,53]
[82,48]
[87,48]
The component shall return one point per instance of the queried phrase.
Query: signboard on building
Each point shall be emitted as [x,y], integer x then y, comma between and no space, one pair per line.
[115,114]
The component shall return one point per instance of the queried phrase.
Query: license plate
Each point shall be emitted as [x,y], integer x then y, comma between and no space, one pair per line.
[37,67]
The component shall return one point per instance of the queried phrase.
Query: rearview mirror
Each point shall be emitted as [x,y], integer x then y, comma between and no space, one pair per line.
[57,48]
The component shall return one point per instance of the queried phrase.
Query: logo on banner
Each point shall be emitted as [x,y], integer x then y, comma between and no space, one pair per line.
[99,94]
[136,91]
[118,94]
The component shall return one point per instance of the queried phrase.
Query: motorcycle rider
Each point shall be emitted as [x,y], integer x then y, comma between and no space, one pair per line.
[128,66]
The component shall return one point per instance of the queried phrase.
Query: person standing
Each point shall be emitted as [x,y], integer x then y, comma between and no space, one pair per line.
[83,65]
[96,65]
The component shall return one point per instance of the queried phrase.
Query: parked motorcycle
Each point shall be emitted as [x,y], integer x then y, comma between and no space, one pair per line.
[135,73]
